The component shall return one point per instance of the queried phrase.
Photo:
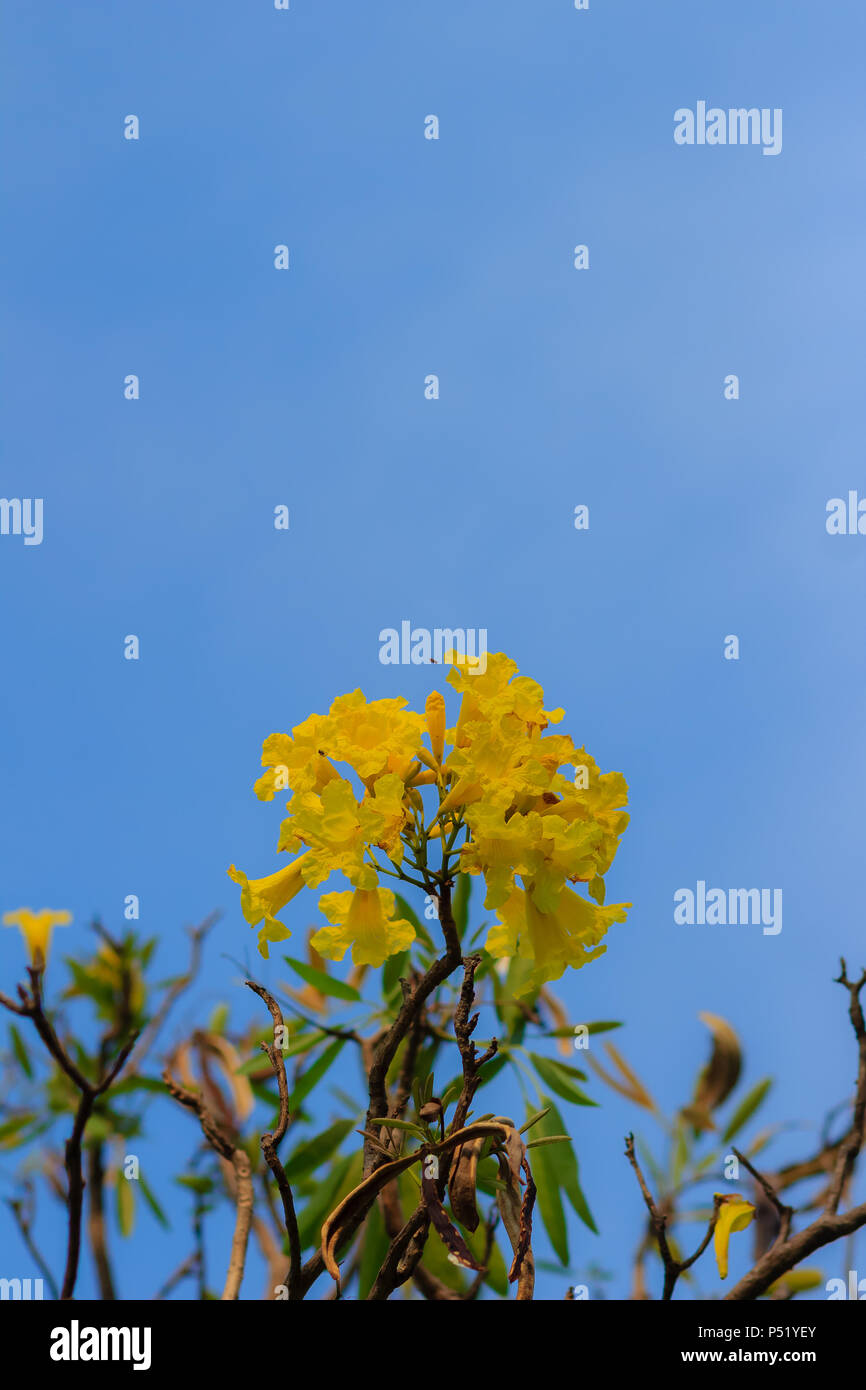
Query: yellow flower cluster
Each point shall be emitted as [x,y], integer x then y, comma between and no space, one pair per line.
[529,819]
[523,807]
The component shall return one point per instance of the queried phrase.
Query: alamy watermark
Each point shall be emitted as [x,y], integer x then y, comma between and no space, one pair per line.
[22,516]
[21,1289]
[720,907]
[417,646]
[740,125]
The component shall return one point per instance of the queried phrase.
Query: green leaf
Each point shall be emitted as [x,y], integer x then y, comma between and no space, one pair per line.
[549,1139]
[591,1028]
[313,1075]
[399,1124]
[218,1019]
[680,1154]
[198,1183]
[139,1083]
[435,1259]
[492,1069]
[152,1202]
[746,1108]
[303,1043]
[556,1076]
[20,1052]
[327,1195]
[310,1154]
[549,1201]
[10,1131]
[497,1274]
[394,968]
[460,902]
[337,989]
[564,1162]
[533,1120]
[125,1204]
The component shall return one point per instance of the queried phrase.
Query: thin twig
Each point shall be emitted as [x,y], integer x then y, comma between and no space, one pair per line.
[270,1143]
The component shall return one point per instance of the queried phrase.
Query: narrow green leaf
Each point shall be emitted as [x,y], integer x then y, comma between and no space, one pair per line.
[564,1162]
[460,902]
[556,1076]
[313,1075]
[152,1202]
[337,989]
[138,1083]
[125,1204]
[20,1052]
[549,1139]
[549,1202]
[497,1274]
[303,1043]
[384,1123]
[533,1120]
[327,1195]
[393,969]
[591,1028]
[199,1184]
[492,1069]
[310,1154]
[747,1108]
[11,1130]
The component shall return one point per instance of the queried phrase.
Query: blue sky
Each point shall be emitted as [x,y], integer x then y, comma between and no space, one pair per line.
[558,387]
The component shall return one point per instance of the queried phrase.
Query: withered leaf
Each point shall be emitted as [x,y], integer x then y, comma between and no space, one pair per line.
[721,1074]
[351,1211]
[462,1180]
[458,1250]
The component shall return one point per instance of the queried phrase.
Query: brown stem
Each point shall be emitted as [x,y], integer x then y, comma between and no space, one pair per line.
[269,1143]
[96,1232]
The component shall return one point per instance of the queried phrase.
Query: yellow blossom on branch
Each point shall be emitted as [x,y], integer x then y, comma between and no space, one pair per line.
[497,795]
[734,1214]
[36,928]
[364,920]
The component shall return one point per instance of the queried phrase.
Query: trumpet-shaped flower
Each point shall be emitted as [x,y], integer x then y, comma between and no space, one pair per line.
[263,898]
[365,921]
[374,737]
[572,934]
[497,693]
[295,762]
[337,829]
[734,1214]
[36,928]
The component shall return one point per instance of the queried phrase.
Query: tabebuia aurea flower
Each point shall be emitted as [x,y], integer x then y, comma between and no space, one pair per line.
[734,1214]
[379,792]
[36,928]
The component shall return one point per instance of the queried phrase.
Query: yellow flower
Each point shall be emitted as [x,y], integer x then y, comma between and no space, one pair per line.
[373,737]
[363,920]
[571,934]
[263,898]
[599,803]
[499,849]
[492,695]
[295,762]
[735,1213]
[36,928]
[330,826]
